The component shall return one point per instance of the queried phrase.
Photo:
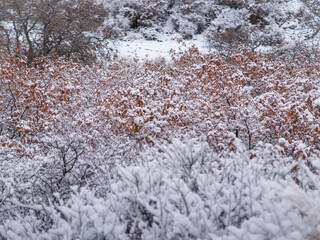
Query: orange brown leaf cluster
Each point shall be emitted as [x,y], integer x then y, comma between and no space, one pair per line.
[246,96]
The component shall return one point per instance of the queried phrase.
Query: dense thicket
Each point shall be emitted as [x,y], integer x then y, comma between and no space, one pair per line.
[217,146]
[204,147]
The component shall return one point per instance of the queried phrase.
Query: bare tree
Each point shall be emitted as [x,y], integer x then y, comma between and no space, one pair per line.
[42,27]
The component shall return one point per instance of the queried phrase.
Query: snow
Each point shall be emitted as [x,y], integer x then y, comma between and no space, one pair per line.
[179,186]
[309,116]
[135,46]
[317,102]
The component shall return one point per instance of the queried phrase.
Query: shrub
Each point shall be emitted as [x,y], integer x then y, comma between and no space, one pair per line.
[201,147]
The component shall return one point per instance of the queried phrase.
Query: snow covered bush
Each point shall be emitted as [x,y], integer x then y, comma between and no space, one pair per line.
[145,13]
[183,190]
[284,28]
[202,147]
[190,17]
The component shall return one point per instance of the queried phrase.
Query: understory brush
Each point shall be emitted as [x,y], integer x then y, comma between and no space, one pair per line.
[203,147]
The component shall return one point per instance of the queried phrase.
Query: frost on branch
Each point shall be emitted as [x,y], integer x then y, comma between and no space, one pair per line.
[204,147]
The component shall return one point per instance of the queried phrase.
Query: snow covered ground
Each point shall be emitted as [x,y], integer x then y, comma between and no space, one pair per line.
[135,46]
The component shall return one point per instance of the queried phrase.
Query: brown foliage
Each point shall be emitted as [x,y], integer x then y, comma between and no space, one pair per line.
[246,97]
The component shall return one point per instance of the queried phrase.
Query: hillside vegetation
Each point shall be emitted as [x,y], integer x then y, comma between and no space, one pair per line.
[223,145]
[203,147]
[286,28]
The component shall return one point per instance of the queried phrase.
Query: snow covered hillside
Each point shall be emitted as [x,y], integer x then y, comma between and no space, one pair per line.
[159,119]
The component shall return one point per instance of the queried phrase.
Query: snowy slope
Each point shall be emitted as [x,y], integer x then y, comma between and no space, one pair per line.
[135,46]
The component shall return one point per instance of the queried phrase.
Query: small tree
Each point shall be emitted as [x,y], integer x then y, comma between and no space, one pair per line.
[44,27]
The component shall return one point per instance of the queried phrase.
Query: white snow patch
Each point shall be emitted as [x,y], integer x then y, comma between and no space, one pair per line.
[317,102]
[135,46]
